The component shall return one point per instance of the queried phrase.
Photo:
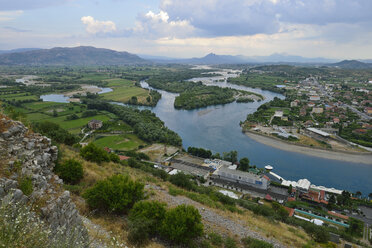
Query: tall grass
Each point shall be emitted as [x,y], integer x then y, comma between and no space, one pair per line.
[20,227]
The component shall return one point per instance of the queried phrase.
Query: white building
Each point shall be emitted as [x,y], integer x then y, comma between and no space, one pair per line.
[302,184]
[241,177]
[278,113]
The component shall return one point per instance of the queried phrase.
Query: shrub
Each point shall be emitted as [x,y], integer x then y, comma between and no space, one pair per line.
[145,218]
[230,243]
[71,171]
[114,158]
[93,153]
[117,194]
[181,224]
[249,242]
[216,239]
[25,185]
[182,180]
[205,244]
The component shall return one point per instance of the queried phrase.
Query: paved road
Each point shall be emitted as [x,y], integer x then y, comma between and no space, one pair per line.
[361,115]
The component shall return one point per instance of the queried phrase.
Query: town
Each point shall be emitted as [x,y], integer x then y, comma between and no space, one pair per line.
[318,114]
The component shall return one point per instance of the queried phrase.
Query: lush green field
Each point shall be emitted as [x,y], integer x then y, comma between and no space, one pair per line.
[119,142]
[19,96]
[124,90]
[74,126]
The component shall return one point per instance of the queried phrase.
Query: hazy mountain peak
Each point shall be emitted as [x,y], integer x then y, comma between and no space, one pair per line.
[82,55]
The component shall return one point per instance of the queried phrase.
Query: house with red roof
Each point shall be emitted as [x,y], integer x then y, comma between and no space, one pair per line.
[121,157]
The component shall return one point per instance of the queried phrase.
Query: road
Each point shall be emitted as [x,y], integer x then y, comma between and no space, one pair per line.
[361,114]
[344,105]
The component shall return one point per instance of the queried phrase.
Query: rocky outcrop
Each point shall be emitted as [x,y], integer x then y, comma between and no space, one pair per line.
[24,154]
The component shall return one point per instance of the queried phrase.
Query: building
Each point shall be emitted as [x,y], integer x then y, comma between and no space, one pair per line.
[311,104]
[317,110]
[368,110]
[316,133]
[314,98]
[278,113]
[294,103]
[95,124]
[241,177]
[302,185]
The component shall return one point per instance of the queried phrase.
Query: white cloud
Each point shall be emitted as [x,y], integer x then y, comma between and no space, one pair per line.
[94,26]
[9,15]
[154,25]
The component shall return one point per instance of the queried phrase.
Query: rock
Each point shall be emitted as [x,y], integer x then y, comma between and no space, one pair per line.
[2,192]
[30,145]
[17,195]
[37,157]
[6,134]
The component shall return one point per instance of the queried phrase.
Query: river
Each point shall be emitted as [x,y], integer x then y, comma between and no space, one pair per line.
[217,128]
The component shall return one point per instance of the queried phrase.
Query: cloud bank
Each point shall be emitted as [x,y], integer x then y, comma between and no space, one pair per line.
[93,26]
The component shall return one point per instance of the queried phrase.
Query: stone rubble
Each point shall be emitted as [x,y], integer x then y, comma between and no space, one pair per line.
[26,154]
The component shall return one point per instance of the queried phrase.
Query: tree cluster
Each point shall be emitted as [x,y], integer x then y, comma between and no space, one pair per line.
[55,132]
[199,152]
[145,123]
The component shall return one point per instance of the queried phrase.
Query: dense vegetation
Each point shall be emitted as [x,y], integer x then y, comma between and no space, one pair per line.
[145,123]
[117,194]
[55,132]
[349,133]
[193,95]
[199,152]
[71,171]
[93,153]
[200,96]
[181,224]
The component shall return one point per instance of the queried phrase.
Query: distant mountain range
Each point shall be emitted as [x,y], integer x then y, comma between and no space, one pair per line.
[240,59]
[86,55]
[19,50]
[82,55]
[352,64]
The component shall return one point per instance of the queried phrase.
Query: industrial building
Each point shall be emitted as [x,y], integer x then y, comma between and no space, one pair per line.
[241,177]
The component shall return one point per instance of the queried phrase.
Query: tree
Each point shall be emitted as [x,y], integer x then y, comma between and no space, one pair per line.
[181,224]
[244,164]
[114,194]
[145,220]
[93,153]
[290,188]
[231,156]
[370,195]
[114,158]
[358,194]
[55,114]
[134,100]
[182,180]
[55,132]
[71,171]
[355,227]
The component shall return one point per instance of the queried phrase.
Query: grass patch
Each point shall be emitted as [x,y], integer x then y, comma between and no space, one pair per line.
[124,90]
[124,142]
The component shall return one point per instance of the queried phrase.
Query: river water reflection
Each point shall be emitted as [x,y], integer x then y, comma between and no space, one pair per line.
[217,128]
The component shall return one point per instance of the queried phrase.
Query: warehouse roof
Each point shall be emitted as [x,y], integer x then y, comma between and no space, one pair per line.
[317,131]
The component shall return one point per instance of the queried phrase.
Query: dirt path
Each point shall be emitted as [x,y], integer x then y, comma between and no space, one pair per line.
[213,219]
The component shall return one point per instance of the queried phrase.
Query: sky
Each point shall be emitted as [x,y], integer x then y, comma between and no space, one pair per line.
[339,29]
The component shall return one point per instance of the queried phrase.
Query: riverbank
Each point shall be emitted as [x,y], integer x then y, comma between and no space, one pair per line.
[316,152]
